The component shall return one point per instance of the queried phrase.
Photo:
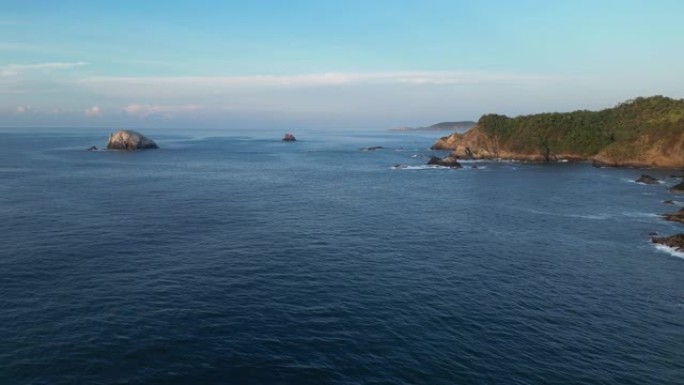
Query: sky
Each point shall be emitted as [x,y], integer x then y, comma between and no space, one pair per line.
[328,64]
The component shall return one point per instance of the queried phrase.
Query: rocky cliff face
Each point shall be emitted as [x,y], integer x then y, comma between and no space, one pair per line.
[476,144]
[128,140]
[646,151]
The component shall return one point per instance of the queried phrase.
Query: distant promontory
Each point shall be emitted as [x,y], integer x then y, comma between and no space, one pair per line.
[643,132]
[443,126]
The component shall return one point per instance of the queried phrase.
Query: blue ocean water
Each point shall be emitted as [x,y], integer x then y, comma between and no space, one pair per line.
[235,258]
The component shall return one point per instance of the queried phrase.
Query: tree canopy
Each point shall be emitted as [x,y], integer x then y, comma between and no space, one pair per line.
[588,132]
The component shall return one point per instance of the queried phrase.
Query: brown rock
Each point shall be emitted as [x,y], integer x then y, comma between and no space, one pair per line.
[289,138]
[677,216]
[676,241]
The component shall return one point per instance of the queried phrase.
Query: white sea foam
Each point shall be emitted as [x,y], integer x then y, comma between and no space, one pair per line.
[640,215]
[669,250]
[589,216]
[641,183]
[423,167]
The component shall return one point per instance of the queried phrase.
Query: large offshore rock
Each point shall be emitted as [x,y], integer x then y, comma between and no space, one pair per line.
[128,140]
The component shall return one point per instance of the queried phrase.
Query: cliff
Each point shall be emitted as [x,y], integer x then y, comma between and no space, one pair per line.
[644,132]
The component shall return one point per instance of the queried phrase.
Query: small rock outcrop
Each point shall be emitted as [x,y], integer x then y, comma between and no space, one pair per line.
[668,202]
[372,148]
[447,161]
[289,138]
[92,148]
[128,140]
[677,216]
[647,179]
[676,241]
[679,188]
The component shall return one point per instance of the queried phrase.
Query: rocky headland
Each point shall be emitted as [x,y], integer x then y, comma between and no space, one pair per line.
[128,140]
[443,126]
[644,132]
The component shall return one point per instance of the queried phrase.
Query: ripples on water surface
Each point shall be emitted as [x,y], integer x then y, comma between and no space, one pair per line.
[241,259]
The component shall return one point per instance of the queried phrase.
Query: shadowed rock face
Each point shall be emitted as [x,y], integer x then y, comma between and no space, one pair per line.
[676,241]
[647,179]
[289,138]
[679,188]
[447,161]
[128,140]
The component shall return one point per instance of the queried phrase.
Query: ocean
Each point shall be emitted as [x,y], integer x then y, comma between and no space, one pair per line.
[230,257]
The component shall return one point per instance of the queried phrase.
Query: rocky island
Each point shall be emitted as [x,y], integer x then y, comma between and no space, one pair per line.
[644,132]
[128,140]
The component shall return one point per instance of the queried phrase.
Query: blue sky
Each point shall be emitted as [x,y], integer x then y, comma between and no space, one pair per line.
[327,64]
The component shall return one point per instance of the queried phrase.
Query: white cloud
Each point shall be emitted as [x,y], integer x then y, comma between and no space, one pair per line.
[165,111]
[242,90]
[22,109]
[317,80]
[92,111]
[16,69]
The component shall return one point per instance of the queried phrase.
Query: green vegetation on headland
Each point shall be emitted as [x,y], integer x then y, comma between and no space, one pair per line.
[643,132]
